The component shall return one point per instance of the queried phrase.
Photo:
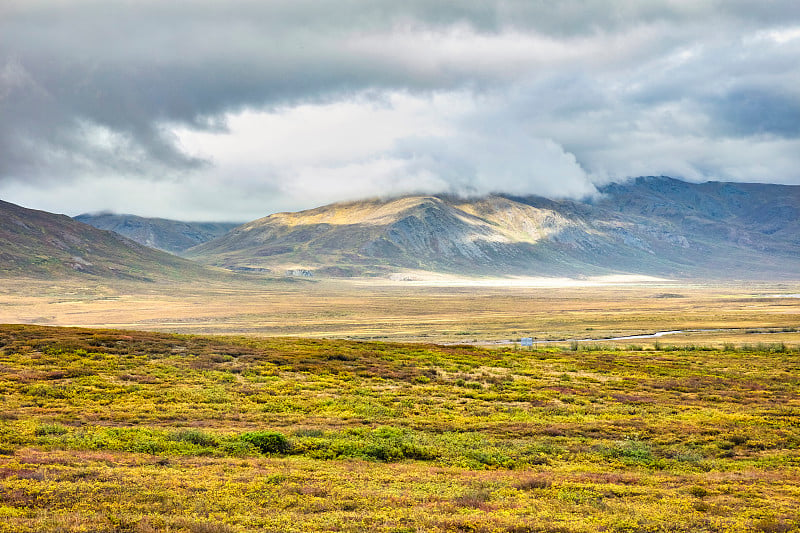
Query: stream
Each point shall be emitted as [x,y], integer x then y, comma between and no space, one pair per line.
[628,337]
[655,335]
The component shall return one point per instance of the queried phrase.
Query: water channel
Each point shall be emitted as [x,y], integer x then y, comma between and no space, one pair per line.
[655,335]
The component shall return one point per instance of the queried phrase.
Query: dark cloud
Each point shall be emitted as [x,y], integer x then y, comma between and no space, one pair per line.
[97,88]
[757,111]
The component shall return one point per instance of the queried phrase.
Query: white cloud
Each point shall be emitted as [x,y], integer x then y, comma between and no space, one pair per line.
[328,133]
[398,144]
[781,35]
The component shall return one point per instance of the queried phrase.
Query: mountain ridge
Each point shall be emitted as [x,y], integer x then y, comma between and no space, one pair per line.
[173,236]
[36,243]
[652,225]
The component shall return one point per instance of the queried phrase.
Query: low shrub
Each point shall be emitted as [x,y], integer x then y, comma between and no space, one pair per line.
[475,499]
[629,451]
[267,441]
[533,483]
[195,436]
[50,429]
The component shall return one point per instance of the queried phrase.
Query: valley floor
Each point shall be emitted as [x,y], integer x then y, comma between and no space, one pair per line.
[291,405]
[444,310]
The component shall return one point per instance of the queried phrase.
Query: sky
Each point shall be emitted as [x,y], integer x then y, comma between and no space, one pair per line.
[235,109]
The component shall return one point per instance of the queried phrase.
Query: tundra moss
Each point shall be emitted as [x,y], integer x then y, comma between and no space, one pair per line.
[104,430]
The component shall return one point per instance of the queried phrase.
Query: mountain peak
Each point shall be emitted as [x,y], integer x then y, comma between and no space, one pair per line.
[650,225]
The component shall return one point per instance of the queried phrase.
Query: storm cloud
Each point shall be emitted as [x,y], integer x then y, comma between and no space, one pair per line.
[230,110]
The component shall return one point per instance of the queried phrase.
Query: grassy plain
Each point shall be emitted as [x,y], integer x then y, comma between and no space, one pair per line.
[286,423]
[115,431]
[445,311]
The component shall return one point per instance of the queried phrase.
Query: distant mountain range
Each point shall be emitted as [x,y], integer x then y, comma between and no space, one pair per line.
[654,225]
[171,236]
[40,244]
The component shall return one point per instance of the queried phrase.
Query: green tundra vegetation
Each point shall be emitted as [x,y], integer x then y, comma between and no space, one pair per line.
[123,431]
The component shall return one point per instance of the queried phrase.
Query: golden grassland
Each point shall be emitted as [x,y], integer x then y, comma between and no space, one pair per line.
[408,311]
[132,431]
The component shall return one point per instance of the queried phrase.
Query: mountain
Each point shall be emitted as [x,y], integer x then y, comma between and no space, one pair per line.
[171,236]
[654,226]
[40,244]
[761,217]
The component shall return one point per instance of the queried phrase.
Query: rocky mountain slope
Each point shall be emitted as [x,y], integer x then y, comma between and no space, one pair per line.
[655,226]
[758,217]
[171,236]
[40,244]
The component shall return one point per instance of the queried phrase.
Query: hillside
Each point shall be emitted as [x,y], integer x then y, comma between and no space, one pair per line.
[376,237]
[759,217]
[40,244]
[654,226]
[172,236]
